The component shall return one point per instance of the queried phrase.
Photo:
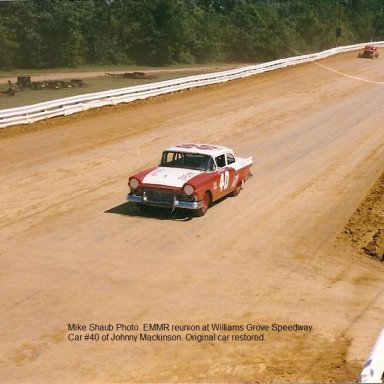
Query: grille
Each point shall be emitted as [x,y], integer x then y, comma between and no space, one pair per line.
[159,197]
[187,198]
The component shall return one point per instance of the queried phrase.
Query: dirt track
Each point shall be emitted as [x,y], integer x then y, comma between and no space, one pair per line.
[73,251]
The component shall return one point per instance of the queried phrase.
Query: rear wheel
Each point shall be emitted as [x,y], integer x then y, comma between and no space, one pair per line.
[204,207]
[237,190]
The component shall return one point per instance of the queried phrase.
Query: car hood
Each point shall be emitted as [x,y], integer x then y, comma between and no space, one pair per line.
[172,177]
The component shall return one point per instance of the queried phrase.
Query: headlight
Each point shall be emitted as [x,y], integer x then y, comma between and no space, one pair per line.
[134,183]
[188,189]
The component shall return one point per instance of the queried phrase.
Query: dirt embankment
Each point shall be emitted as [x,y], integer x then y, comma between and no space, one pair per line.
[365,229]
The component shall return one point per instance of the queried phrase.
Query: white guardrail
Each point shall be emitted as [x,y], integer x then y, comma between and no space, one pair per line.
[374,367]
[67,106]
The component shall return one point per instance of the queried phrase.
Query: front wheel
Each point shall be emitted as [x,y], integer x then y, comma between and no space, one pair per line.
[204,207]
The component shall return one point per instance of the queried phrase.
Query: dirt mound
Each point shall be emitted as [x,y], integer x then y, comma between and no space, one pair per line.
[365,228]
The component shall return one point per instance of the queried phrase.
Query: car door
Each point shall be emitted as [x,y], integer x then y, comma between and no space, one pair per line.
[225,177]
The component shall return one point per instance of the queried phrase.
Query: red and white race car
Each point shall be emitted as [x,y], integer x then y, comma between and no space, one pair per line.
[190,176]
[370,52]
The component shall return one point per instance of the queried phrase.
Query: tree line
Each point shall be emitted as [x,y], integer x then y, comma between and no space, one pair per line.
[67,33]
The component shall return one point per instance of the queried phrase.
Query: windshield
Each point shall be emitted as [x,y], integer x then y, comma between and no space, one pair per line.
[196,161]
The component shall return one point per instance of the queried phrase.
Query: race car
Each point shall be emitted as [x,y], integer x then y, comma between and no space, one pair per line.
[190,176]
[369,52]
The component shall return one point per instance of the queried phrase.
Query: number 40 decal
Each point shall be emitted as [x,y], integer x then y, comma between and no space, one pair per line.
[224,180]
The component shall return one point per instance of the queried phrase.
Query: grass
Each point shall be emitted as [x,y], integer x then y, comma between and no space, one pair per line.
[101,68]
[94,84]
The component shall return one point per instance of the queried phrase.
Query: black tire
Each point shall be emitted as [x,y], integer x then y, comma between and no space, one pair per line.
[237,190]
[204,208]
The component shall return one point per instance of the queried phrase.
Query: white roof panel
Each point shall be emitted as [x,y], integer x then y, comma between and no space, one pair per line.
[206,149]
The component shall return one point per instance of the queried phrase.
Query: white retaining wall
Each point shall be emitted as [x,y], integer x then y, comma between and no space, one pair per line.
[67,106]
[374,367]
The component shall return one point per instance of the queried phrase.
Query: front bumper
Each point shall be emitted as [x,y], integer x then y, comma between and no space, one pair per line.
[164,204]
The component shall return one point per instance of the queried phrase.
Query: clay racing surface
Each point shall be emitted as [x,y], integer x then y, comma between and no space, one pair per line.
[73,251]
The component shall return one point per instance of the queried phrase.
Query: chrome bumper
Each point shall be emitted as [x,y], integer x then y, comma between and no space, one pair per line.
[177,204]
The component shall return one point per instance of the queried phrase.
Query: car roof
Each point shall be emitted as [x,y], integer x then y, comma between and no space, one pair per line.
[206,149]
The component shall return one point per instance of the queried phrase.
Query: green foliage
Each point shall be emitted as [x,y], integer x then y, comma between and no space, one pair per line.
[57,33]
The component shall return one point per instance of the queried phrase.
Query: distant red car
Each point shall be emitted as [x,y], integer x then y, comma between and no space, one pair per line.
[190,176]
[369,52]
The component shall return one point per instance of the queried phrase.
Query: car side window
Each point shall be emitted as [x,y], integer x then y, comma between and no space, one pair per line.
[220,161]
[230,158]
